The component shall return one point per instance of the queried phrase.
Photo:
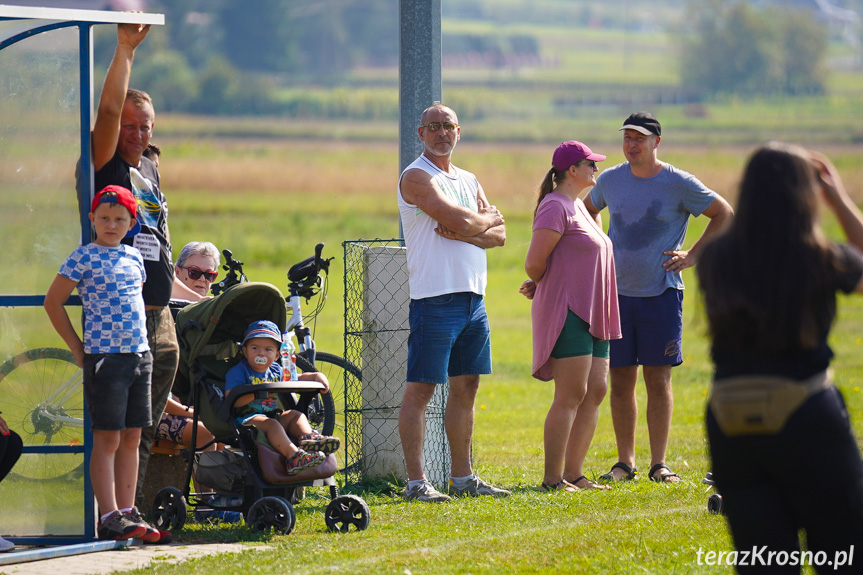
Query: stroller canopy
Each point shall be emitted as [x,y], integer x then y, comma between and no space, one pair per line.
[213,327]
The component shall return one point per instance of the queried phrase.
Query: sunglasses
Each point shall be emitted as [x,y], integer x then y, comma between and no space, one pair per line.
[196,273]
[590,163]
[435,126]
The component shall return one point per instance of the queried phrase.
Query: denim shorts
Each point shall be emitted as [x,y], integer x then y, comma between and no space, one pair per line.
[449,337]
[652,329]
[117,390]
[575,340]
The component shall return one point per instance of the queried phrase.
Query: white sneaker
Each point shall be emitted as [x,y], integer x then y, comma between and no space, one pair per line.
[6,545]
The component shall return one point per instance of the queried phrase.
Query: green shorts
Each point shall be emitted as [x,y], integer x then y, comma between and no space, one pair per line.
[575,340]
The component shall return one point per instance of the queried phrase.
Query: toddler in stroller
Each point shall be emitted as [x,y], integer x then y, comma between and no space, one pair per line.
[252,475]
[261,410]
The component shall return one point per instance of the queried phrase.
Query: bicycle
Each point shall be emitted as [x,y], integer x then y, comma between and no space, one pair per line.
[43,400]
[43,387]
[305,281]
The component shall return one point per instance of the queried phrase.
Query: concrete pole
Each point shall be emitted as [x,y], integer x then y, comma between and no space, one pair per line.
[419,72]
[386,297]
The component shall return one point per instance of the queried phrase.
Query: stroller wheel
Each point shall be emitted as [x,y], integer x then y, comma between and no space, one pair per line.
[169,509]
[275,512]
[346,511]
[714,504]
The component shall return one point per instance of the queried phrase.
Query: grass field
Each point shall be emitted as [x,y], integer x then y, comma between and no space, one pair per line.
[271,202]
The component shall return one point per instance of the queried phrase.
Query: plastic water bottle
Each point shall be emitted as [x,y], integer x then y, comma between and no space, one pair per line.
[289,358]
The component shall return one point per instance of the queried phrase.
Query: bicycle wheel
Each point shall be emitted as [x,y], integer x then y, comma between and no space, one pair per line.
[334,367]
[43,401]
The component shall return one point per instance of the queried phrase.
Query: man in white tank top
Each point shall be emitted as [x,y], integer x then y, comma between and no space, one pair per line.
[448,224]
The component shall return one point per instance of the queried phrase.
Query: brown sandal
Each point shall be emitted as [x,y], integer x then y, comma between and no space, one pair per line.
[562,485]
[590,484]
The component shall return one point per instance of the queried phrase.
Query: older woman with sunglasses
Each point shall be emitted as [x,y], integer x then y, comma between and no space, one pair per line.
[196,269]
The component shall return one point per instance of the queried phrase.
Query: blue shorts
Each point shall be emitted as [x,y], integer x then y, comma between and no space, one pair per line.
[652,329]
[576,340]
[449,337]
[117,390]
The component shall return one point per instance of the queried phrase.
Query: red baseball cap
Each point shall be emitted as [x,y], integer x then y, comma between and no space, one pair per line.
[570,153]
[122,196]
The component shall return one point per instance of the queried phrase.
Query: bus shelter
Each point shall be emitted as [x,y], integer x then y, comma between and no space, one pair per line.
[46,111]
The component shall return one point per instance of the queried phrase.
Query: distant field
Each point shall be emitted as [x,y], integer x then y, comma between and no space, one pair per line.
[525,115]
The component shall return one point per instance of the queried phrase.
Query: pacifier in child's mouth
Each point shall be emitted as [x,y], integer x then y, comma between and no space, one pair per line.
[261,360]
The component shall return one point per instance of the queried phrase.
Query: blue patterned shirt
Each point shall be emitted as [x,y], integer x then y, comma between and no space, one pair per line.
[109,283]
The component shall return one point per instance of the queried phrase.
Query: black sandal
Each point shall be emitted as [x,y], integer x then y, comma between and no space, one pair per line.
[631,473]
[662,478]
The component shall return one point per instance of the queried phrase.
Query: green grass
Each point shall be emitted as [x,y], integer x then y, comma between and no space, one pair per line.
[638,527]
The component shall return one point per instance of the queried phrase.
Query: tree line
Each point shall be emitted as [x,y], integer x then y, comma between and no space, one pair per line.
[224,57]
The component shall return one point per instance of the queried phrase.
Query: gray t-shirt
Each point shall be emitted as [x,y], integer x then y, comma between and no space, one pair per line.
[648,216]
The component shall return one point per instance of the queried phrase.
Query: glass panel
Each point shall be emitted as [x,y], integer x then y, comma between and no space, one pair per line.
[39,149]
[40,386]
[41,397]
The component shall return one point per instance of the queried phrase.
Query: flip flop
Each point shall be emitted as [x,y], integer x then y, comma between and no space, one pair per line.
[661,478]
[631,473]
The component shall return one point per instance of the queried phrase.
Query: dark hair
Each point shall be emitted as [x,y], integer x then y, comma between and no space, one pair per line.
[152,151]
[762,277]
[551,181]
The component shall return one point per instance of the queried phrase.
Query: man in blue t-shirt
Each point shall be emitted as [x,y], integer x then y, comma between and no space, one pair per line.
[649,203]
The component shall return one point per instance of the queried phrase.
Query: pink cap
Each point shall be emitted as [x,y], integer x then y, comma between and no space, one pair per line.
[572,152]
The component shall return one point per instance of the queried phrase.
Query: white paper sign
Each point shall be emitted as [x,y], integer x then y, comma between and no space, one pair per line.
[148,245]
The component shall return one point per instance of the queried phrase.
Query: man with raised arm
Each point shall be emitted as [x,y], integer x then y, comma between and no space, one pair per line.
[121,133]
[448,224]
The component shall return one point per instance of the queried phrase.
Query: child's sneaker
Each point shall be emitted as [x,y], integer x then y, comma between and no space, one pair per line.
[118,527]
[316,442]
[303,460]
[151,535]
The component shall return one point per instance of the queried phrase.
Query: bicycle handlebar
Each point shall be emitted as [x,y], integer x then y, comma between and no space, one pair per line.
[304,278]
[234,276]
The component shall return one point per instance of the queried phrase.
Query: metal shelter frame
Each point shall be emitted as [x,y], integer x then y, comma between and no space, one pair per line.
[34,21]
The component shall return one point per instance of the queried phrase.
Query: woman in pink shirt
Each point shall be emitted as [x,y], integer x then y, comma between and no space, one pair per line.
[574,312]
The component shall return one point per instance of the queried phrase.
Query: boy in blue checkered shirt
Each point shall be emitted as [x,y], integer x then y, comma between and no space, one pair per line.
[114,355]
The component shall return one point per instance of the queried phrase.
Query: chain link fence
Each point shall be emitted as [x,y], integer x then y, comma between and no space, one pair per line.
[376,334]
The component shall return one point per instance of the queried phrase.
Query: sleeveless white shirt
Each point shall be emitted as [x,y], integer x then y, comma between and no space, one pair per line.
[437,265]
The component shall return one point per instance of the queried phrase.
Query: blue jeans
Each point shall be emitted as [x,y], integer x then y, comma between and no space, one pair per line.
[449,337]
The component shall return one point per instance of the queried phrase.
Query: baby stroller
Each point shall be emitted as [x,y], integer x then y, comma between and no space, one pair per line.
[248,476]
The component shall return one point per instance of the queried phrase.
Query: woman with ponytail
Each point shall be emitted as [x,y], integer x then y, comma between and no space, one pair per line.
[574,312]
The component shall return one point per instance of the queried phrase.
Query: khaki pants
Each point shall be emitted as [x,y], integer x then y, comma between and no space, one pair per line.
[162,337]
